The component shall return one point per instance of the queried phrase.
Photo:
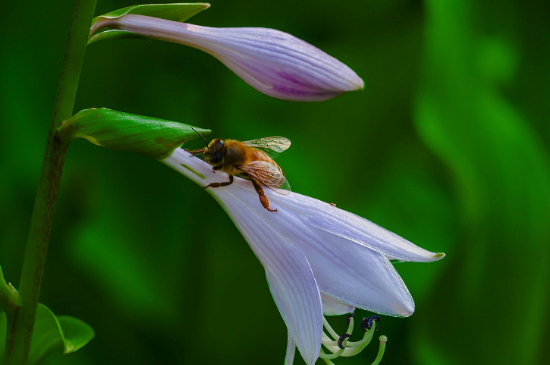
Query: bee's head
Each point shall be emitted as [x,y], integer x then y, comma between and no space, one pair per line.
[213,152]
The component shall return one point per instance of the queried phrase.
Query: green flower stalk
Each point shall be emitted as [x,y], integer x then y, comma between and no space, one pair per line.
[22,321]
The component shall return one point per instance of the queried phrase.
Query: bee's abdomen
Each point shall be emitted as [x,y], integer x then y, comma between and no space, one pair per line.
[261,156]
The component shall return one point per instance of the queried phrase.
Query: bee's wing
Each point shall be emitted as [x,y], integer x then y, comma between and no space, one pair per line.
[272,146]
[267,174]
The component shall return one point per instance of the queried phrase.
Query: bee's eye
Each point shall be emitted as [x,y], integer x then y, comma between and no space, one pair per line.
[215,151]
[216,157]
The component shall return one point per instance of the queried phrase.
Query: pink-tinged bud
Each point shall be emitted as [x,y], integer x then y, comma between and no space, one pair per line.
[273,62]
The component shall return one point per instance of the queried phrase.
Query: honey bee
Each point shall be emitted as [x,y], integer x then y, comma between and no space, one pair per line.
[252,160]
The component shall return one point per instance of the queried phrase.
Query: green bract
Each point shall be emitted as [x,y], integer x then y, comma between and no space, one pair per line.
[178,12]
[51,333]
[9,297]
[152,137]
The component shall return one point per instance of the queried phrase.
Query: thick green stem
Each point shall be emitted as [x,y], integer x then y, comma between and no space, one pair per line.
[21,322]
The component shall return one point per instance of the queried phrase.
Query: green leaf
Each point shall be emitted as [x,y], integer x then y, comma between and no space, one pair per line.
[152,137]
[47,335]
[52,333]
[3,331]
[75,333]
[177,12]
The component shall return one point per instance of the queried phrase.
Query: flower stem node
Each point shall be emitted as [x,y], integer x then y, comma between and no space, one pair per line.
[10,300]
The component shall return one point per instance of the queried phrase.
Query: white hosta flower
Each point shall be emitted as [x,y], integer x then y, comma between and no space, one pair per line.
[273,62]
[316,256]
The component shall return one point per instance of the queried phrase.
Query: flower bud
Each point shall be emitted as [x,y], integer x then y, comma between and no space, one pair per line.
[273,62]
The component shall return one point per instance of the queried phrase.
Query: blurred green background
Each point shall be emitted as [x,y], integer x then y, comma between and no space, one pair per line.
[448,146]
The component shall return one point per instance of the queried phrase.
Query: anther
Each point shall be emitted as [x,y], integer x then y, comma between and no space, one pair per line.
[367,323]
[341,340]
[348,317]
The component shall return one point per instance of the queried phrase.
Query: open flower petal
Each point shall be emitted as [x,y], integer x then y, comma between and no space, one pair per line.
[333,307]
[354,228]
[289,276]
[273,62]
[290,350]
[358,276]
[350,272]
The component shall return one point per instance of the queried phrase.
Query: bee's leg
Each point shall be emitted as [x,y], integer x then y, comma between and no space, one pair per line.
[261,194]
[215,168]
[217,185]
[195,152]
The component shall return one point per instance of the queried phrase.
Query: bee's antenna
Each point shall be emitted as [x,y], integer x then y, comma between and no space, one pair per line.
[205,141]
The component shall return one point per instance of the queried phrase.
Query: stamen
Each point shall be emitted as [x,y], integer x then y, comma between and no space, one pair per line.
[329,343]
[324,356]
[353,348]
[343,347]
[329,329]
[351,322]
[367,322]
[336,346]
[341,340]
